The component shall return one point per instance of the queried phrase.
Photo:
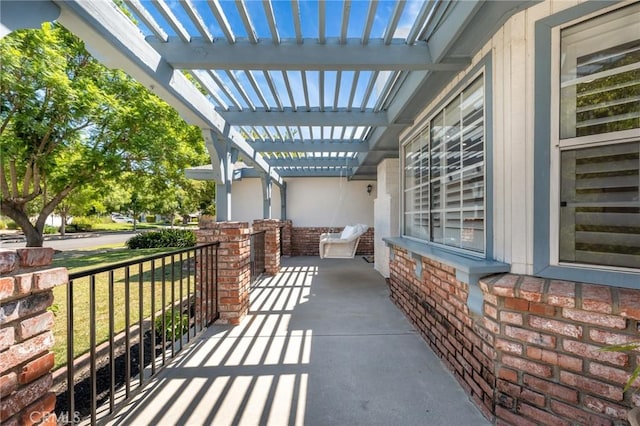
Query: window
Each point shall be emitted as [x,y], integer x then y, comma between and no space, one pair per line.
[599,141]
[444,174]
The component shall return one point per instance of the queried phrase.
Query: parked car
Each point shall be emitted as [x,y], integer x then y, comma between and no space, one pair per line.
[118,218]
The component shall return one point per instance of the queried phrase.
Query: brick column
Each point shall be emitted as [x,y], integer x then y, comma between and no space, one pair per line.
[26,338]
[286,237]
[234,272]
[271,243]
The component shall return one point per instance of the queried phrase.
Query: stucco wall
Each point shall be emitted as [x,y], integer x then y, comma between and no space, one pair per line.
[330,202]
[311,202]
[246,200]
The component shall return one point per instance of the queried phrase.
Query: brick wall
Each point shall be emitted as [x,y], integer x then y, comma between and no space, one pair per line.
[305,241]
[287,227]
[435,302]
[534,356]
[271,243]
[26,338]
[549,336]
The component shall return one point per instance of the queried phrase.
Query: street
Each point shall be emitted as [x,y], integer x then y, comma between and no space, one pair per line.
[76,242]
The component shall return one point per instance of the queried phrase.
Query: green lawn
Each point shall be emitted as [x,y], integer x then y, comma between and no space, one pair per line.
[90,259]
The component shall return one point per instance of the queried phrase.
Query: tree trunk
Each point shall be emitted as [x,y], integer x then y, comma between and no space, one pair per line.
[34,238]
[33,235]
[63,224]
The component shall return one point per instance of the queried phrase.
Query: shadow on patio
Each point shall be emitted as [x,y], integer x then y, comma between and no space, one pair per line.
[322,345]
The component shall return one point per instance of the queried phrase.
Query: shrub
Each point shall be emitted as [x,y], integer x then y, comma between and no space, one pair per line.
[12,225]
[80,224]
[151,218]
[163,238]
[48,229]
[175,326]
[3,225]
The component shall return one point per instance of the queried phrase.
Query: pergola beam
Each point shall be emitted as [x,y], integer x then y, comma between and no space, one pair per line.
[315,145]
[310,55]
[313,162]
[288,117]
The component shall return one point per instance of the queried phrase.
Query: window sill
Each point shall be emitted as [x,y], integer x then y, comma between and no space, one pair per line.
[468,269]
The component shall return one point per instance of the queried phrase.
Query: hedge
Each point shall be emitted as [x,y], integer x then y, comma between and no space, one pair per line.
[164,238]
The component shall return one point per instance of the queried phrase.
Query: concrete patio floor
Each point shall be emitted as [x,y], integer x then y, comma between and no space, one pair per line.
[322,345]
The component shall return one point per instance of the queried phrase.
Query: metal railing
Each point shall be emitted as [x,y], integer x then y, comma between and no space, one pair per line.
[138,314]
[257,242]
[281,232]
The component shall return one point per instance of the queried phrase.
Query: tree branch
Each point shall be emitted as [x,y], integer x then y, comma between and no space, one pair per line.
[26,183]
[51,205]
[3,181]
[14,178]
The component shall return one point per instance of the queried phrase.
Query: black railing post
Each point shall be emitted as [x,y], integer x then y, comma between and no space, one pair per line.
[106,381]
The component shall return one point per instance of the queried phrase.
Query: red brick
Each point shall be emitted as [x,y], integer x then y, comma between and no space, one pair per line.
[511,318]
[8,384]
[555,326]
[578,414]
[490,311]
[13,421]
[636,399]
[508,388]
[35,325]
[35,256]
[526,365]
[605,407]
[23,283]
[541,416]
[508,346]
[505,285]
[597,298]
[36,368]
[550,388]
[542,309]
[516,304]
[534,398]
[508,374]
[7,337]
[530,336]
[8,261]
[50,278]
[609,338]
[594,352]
[531,289]
[570,363]
[595,387]
[611,374]
[25,307]
[24,396]
[491,298]
[512,418]
[25,351]
[562,293]
[7,287]
[40,410]
[629,301]
[604,320]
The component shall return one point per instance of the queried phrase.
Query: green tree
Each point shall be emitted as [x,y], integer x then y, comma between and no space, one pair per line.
[67,122]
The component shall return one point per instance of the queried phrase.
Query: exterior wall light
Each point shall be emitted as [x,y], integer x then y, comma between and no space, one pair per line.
[369,189]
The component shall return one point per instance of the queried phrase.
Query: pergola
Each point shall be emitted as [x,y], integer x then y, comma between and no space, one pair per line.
[293,88]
